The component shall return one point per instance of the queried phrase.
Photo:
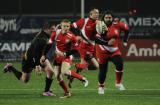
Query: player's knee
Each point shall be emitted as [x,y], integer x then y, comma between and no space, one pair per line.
[49,71]
[96,65]
[50,74]
[65,69]
[25,77]
[93,64]
[25,80]
[65,72]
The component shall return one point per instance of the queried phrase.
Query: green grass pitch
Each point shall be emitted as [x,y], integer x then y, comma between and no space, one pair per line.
[141,79]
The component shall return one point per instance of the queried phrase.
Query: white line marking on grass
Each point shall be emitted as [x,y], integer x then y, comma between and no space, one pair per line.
[95,91]
[82,89]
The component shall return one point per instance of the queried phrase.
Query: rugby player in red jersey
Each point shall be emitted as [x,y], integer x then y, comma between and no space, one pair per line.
[87,26]
[111,52]
[65,40]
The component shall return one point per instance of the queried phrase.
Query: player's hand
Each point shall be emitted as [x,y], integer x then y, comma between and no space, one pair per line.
[38,70]
[42,60]
[125,44]
[111,41]
[104,29]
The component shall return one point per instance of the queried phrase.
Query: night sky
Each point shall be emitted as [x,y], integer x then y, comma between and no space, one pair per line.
[70,6]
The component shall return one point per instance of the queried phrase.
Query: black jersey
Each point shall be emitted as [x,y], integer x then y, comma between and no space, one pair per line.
[37,47]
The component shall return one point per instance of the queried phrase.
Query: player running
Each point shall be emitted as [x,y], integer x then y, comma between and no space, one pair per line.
[111,52]
[65,40]
[87,26]
[35,58]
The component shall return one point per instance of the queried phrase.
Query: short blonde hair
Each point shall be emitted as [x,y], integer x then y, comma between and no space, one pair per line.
[65,21]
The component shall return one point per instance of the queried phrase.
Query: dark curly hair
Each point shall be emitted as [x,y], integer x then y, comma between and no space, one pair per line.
[107,12]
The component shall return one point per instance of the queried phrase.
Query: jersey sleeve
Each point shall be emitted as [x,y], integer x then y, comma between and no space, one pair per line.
[79,24]
[51,39]
[123,26]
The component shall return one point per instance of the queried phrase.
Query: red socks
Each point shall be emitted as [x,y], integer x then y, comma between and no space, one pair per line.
[76,75]
[118,76]
[64,87]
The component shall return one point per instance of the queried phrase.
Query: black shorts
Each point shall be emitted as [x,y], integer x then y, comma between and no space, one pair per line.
[27,65]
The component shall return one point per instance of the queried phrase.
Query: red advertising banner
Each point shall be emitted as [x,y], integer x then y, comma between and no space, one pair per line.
[142,50]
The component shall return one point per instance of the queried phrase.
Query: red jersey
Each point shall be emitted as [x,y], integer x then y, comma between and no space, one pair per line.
[87,27]
[113,32]
[64,42]
[121,26]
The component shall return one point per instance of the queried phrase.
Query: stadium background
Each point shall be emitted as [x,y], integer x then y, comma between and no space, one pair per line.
[22,19]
